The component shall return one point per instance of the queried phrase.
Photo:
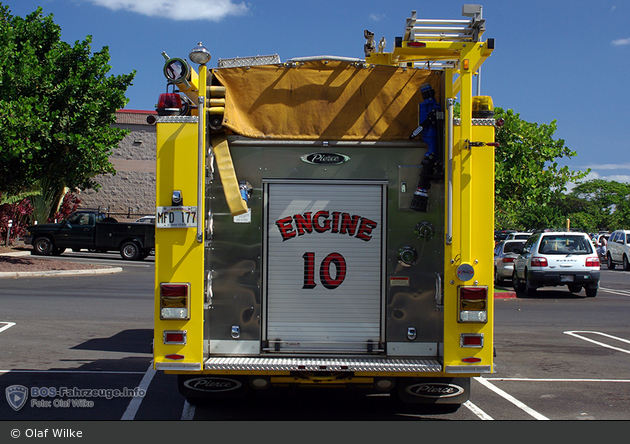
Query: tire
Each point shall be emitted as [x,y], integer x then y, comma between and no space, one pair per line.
[591,292]
[130,251]
[517,283]
[574,288]
[43,246]
[531,290]
[626,264]
[609,262]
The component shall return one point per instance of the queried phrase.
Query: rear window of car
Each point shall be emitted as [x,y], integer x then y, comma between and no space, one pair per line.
[511,246]
[565,244]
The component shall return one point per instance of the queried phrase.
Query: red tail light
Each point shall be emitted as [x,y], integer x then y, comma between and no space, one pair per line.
[507,260]
[473,304]
[539,262]
[592,262]
[174,301]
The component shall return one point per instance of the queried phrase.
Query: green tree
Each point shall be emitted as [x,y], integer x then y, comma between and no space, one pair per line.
[605,203]
[528,180]
[57,107]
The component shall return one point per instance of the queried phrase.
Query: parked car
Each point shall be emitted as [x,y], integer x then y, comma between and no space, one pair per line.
[618,251]
[500,235]
[92,230]
[146,220]
[557,258]
[518,236]
[505,254]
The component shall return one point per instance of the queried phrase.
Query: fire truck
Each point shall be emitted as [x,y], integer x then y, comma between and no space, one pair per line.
[328,221]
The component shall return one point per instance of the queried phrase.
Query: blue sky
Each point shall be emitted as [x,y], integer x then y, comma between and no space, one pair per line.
[554,59]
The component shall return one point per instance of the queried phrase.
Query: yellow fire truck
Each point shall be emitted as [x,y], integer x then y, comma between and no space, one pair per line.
[328,221]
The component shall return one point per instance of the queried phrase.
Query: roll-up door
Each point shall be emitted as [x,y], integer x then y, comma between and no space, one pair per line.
[324,266]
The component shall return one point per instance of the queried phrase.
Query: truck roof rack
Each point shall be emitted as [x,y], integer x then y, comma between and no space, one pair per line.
[431,43]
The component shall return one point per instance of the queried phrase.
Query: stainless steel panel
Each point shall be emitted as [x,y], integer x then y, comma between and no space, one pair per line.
[235,254]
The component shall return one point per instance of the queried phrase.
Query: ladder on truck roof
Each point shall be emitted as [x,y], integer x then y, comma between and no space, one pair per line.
[431,43]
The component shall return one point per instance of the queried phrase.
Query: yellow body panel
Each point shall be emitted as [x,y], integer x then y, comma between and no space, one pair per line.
[473,214]
[178,256]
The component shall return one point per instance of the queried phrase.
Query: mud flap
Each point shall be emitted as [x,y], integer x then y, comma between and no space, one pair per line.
[205,387]
[433,391]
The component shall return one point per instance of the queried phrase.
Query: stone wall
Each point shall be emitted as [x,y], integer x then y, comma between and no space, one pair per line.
[130,193]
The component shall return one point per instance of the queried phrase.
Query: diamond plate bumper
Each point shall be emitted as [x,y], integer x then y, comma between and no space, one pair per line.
[323,364]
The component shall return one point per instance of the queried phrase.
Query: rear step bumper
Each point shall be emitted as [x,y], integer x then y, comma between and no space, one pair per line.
[323,364]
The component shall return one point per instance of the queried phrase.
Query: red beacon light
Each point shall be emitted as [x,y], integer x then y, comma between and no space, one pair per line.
[169,104]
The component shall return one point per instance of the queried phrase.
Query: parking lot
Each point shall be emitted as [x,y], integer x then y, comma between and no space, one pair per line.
[559,357]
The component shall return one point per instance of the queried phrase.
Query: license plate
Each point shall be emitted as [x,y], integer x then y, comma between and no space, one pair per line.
[175,217]
[566,278]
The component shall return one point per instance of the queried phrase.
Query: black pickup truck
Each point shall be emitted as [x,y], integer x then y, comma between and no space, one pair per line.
[94,231]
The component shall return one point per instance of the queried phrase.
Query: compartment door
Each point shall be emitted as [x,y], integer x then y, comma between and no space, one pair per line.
[324,275]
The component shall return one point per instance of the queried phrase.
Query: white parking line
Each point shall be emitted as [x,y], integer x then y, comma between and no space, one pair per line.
[135,402]
[6,327]
[477,411]
[617,292]
[510,398]
[559,380]
[576,335]
[188,414]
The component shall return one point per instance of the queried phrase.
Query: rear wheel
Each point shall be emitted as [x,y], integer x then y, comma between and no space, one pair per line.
[531,290]
[591,292]
[43,246]
[609,262]
[517,283]
[130,251]
[574,288]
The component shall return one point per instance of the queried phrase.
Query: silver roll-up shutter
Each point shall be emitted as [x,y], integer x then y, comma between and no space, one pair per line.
[324,266]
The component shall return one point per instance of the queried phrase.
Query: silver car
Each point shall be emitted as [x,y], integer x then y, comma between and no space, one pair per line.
[505,253]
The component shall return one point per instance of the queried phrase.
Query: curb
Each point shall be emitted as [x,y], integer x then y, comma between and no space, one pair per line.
[16,274]
[504,294]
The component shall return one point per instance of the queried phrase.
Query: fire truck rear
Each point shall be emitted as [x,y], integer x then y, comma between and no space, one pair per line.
[327,221]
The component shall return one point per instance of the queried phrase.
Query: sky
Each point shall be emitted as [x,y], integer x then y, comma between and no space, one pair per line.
[562,60]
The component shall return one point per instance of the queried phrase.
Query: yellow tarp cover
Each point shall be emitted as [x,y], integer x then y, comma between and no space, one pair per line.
[326,101]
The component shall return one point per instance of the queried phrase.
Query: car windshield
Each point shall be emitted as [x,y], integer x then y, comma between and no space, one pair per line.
[565,244]
[522,236]
[511,246]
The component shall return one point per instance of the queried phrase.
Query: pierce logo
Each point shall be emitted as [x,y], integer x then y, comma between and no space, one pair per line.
[325,158]
[16,396]
[435,390]
[212,384]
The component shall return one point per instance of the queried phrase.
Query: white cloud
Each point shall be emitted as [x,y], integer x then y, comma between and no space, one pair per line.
[609,166]
[376,17]
[621,42]
[214,10]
